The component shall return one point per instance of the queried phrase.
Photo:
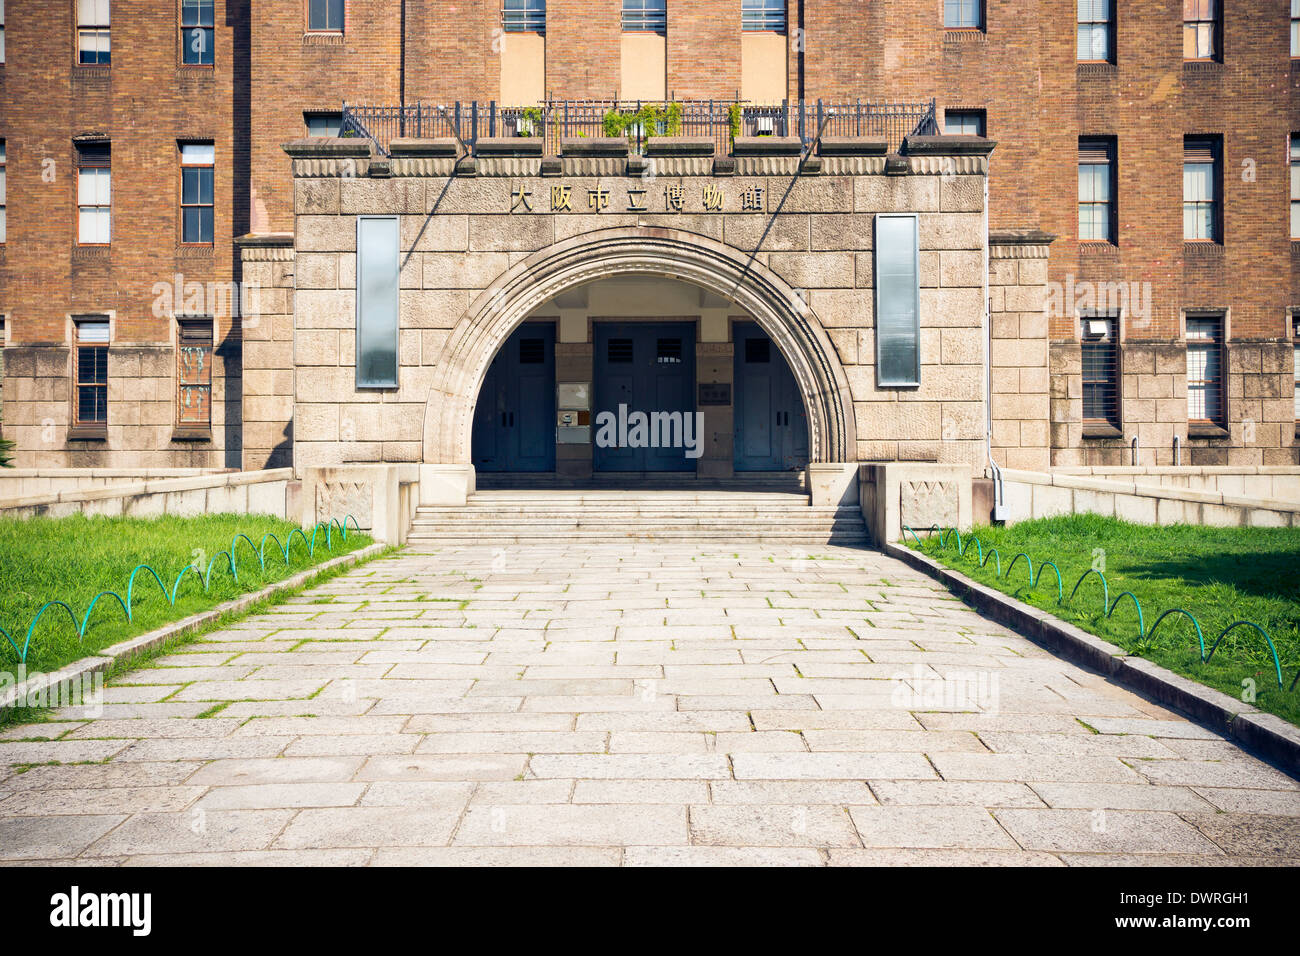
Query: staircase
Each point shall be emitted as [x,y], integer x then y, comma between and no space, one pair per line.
[606,516]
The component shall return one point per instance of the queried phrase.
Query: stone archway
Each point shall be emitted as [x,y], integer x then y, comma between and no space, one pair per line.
[667,253]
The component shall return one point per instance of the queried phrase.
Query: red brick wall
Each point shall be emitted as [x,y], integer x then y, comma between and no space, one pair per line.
[703,49]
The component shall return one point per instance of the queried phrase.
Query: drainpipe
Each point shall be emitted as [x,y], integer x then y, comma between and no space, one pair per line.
[999,492]
[1137,451]
[1178,450]
[401,71]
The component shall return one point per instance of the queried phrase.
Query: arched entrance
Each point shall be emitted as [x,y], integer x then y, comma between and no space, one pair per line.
[670,253]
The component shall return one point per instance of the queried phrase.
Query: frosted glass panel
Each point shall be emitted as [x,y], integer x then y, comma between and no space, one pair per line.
[377,283]
[898,309]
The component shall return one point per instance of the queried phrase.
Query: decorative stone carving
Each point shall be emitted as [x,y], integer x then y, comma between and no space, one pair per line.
[338,499]
[926,503]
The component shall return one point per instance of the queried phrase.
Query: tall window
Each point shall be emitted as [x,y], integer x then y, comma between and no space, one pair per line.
[1096,31]
[91,399]
[325,16]
[323,124]
[963,14]
[92,32]
[94,194]
[963,122]
[1200,29]
[1295,184]
[1096,179]
[645,16]
[2,31]
[3,168]
[197,32]
[377,301]
[1200,189]
[1100,345]
[194,373]
[197,163]
[762,16]
[1295,29]
[1205,369]
[898,306]
[523,16]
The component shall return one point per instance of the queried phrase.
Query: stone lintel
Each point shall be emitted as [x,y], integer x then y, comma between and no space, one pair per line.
[410,146]
[767,146]
[515,146]
[947,145]
[327,147]
[680,146]
[594,146]
[852,146]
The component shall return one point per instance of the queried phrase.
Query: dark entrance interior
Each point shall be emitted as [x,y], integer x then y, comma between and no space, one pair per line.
[514,421]
[644,367]
[771,426]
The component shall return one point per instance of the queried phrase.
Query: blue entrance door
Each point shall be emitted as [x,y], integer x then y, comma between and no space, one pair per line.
[647,368]
[771,427]
[514,421]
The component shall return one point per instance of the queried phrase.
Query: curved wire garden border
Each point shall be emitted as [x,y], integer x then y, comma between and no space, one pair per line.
[205,577]
[1107,606]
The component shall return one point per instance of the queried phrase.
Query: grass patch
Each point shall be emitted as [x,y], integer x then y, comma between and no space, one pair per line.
[75,558]
[1220,575]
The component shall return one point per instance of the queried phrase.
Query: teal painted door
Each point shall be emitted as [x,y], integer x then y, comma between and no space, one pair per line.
[644,368]
[771,427]
[514,421]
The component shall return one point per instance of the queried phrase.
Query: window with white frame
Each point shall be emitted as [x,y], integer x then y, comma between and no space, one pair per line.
[3,169]
[198,168]
[1294,154]
[645,16]
[1200,29]
[1099,349]
[92,33]
[1295,352]
[2,31]
[762,16]
[1201,186]
[1096,31]
[94,194]
[197,32]
[1205,369]
[963,14]
[90,397]
[1096,176]
[1295,28]
[325,16]
[523,16]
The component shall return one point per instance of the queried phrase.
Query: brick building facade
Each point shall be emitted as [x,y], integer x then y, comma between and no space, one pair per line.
[145,86]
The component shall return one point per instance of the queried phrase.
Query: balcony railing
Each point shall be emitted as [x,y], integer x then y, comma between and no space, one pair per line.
[718,120]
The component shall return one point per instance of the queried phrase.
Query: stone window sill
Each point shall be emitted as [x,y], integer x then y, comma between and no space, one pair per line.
[1098,70]
[190,433]
[88,433]
[1101,430]
[1202,249]
[1206,430]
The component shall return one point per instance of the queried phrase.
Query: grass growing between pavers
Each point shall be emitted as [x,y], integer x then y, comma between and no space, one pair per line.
[1220,575]
[76,558]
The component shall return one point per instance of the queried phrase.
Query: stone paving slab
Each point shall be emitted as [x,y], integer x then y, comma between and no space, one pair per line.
[640,705]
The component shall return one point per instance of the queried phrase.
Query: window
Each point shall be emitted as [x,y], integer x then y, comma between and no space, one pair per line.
[758,351]
[1295,186]
[94,194]
[92,32]
[91,399]
[762,16]
[1200,189]
[1205,369]
[532,351]
[898,300]
[963,122]
[1295,31]
[963,14]
[377,269]
[645,16]
[668,351]
[1096,31]
[197,32]
[325,16]
[523,16]
[618,351]
[1096,179]
[1099,344]
[323,124]
[1200,29]
[3,177]
[197,168]
[2,31]
[194,374]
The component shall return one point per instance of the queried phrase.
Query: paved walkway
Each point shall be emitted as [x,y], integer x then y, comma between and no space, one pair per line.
[639,705]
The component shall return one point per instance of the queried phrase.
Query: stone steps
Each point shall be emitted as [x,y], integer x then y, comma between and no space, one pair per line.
[603,516]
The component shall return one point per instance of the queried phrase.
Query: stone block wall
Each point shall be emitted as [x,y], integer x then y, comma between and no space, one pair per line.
[1018,349]
[811,230]
[268,269]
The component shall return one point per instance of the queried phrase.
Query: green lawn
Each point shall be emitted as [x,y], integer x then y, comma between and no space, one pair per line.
[1220,575]
[74,559]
